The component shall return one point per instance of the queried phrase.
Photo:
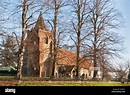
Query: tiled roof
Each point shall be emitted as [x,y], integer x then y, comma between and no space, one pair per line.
[65,57]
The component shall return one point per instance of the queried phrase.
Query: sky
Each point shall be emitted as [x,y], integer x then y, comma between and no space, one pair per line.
[124,7]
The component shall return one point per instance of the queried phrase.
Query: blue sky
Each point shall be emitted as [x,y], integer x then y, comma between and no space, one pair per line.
[124,6]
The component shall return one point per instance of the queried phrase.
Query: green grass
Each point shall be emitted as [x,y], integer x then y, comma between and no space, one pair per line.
[36,81]
[42,83]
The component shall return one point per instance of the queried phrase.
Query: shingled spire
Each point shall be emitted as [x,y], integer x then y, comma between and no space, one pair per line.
[40,23]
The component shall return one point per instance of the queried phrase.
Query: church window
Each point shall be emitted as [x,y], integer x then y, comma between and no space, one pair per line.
[46,40]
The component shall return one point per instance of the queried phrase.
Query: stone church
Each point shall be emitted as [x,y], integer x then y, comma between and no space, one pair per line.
[37,61]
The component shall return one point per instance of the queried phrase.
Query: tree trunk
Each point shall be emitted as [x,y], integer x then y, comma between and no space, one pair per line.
[24,13]
[54,54]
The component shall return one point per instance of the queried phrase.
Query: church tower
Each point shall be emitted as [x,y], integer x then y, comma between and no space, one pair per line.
[37,50]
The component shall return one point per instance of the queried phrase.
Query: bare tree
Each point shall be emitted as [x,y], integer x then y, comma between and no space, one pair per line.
[103,40]
[21,47]
[8,45]
[8,51]
[121,70]
[3,18]
[55,7]
[128,64]
[79,28]
[29,9]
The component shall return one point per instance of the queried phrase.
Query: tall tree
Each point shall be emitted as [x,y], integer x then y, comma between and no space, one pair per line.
[55,7]
[21,47]
[29,9]
[80,11]
[8,45]
[103,40]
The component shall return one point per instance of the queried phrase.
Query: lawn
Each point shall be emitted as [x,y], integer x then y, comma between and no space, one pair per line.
[71,83]
[60,83]
[28,81]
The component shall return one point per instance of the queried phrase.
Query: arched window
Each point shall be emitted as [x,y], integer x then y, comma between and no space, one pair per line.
[46,40]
